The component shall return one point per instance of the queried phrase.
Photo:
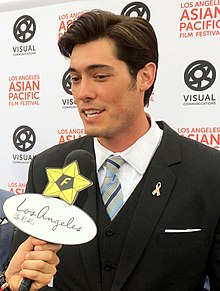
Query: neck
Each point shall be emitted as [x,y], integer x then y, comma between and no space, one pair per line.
[123,141]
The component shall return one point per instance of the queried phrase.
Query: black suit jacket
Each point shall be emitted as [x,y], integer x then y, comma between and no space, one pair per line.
[161,251]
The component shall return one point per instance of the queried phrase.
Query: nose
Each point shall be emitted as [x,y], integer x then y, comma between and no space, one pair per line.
[84,90]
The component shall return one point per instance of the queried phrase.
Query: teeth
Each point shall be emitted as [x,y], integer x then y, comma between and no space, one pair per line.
[92,112]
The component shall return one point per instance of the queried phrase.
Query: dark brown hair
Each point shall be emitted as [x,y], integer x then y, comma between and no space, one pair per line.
[134,38]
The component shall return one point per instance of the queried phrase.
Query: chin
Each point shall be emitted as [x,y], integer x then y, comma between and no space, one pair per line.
[95,133]
[92,132]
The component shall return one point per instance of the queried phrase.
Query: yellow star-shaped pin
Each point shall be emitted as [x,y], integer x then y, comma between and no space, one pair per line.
[66,183]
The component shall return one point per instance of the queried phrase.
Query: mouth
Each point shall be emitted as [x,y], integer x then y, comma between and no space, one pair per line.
[91,113]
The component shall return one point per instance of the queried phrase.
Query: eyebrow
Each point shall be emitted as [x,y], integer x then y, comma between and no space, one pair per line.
[91,67]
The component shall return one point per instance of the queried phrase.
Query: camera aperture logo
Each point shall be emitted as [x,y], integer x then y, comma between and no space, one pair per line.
[199,76]
[136,9]
[24,30]
[66,82]
[24,139]
[199,19]
[68,102]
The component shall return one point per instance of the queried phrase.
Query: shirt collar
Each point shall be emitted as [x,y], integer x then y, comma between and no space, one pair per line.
[139,154]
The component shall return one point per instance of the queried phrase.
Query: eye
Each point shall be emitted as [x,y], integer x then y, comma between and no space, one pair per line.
[101,77]
[74,79]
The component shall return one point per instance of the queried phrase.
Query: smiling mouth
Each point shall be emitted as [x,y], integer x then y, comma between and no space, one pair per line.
[92,113]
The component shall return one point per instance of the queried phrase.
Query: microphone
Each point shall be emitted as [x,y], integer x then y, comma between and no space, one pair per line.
[85,159]
[25,284]
[82,163]
[87,167]
[66,183]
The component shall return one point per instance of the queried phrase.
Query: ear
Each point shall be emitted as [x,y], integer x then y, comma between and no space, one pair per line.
[146,76]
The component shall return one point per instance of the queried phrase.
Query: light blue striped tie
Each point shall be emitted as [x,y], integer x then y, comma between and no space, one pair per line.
[111,187]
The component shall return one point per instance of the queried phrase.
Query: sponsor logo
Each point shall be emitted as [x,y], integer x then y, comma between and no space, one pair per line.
[66,19]
[199,19]
[67,103]
[24,138]
[24,30]
[24,50]
[136,9]
[17,187]
[24,90]
[66,82]
[207,135]
[70,134]
[65,182]
[199,76]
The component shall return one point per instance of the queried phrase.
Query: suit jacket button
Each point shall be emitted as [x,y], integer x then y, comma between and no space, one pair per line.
[107,267]
[109,232]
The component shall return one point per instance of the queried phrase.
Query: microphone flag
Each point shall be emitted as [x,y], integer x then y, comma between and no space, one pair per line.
[66,183]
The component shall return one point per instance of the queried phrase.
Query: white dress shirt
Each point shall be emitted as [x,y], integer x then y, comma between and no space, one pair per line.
[137,158]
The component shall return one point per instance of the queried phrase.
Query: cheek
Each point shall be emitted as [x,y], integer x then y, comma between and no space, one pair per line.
[74,92]
[116,95]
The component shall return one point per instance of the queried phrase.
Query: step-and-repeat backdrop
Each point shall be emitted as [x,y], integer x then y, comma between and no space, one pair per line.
[36,105]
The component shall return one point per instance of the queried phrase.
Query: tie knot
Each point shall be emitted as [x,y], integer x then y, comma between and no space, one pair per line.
[113,163]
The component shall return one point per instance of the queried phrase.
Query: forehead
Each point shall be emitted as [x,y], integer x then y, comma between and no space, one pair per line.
[101,50]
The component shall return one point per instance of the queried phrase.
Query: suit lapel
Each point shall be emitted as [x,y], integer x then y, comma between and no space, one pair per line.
[89,251]
[150,207]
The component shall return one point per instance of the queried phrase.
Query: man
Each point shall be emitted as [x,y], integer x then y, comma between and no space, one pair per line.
[166,236]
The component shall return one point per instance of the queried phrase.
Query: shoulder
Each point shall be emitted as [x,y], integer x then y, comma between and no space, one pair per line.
[4,195]
[55,155]
[195,165]
[188,149]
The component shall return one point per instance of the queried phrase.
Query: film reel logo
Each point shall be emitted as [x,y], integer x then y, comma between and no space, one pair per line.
[66,82]
[24,138]
[24,28]
[137,9]
[200,75]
